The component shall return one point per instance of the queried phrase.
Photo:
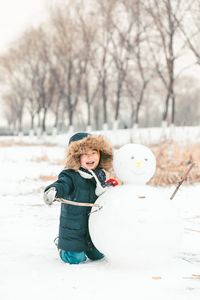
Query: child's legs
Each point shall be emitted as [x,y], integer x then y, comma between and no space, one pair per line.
[72,257]
[94,254]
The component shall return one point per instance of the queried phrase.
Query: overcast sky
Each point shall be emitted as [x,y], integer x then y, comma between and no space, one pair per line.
[16,15]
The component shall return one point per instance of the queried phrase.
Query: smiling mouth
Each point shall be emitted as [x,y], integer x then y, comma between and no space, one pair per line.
[90,163]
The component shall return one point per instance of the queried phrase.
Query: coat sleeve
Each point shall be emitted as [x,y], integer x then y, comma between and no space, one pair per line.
[63,185]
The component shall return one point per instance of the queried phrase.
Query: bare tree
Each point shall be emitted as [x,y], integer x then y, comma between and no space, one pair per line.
[121,55]
[11,114]
[102,62]
[14,96]
[191,33]
[67,58]
[90,86]
[166,16]
[28,75]
[141,71]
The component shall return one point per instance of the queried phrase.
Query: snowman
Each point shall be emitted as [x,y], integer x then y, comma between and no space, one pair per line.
[138,225]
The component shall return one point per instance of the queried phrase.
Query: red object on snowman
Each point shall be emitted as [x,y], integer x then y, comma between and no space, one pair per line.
[112,181]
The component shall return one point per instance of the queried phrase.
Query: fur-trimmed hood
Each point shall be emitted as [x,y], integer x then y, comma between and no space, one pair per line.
[94,142]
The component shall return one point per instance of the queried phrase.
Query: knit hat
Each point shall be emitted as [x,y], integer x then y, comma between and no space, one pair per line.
[78,136]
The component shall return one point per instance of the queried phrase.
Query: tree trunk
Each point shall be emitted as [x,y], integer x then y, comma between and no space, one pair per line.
[105,119]
[173,110]
[88,106]
[44,121]
[119,88]
[32,121]
[70,116]
[165,113]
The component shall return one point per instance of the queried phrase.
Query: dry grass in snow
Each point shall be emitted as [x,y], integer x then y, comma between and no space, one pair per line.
[173,161]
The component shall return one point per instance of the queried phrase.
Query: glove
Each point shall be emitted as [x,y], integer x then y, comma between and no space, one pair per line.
[99,188]
[49,196]
[112,181]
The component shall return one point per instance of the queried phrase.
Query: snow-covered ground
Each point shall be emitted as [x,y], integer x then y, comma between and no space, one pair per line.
[29,263]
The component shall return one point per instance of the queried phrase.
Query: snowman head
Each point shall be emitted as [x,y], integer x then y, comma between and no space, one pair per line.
[134,163]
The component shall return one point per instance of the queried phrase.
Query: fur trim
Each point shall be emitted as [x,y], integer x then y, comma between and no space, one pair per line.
[94,142]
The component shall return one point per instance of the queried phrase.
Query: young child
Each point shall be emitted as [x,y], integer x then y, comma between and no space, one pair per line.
[83,180]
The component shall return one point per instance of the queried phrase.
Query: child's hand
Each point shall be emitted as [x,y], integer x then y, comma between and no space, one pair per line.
[49,196]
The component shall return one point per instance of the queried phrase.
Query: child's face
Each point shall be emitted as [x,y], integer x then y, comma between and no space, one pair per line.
[90,159]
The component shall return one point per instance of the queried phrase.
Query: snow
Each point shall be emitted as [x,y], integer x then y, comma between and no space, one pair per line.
[29,263]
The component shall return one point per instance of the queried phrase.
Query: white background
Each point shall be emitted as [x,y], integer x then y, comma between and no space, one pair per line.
[16,16]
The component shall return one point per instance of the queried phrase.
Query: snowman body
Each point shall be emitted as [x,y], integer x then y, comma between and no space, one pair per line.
[137,224]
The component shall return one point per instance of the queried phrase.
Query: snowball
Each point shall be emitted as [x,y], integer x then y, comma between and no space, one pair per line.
[137,226]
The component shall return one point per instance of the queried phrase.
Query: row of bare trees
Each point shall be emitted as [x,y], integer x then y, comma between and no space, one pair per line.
[110,62]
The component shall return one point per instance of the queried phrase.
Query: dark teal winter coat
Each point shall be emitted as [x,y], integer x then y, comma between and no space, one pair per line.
[73,229]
